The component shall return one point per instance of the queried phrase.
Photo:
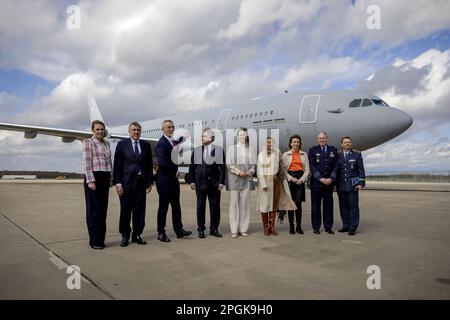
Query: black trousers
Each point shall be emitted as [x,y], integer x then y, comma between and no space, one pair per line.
[97,207]
[349,208]
[319,195]
[169,193]
[213,195]
[132,207]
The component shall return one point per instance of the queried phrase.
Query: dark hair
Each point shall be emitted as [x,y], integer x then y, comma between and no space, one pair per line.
[136,124]
[95,122]
[295,136]
[247,139]
[342,139]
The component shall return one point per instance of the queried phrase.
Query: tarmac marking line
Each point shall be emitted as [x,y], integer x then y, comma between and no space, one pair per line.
[57,260]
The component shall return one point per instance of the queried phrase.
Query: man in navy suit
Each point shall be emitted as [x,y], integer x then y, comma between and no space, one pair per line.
[133,177]
[167,184]
[350,179]
[207,177]
[323,161]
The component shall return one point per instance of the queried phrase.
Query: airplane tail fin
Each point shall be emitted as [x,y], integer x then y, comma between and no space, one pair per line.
[94,111]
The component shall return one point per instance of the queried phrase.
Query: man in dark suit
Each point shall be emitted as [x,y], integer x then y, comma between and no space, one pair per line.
[207,177]
[133,177]
[351,178]
[167,184]
[323,164]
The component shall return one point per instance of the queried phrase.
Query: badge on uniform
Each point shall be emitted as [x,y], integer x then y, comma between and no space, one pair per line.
[331,155]
[352,163]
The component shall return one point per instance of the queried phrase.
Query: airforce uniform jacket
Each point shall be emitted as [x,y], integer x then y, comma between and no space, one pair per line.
[322,165]
[350,171]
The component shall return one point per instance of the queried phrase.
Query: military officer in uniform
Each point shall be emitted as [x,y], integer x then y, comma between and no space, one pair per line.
[323,164]
[350,179]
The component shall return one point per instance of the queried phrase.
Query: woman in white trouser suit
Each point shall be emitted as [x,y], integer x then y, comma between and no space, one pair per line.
[241,169]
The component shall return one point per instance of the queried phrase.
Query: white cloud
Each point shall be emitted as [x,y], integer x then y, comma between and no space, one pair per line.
[321,68]
[420,86]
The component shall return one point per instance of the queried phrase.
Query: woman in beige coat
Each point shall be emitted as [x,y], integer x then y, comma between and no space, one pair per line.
[297,165]
[273,190]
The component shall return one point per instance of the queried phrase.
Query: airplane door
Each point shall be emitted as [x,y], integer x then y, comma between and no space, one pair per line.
[308,108]
[222,119]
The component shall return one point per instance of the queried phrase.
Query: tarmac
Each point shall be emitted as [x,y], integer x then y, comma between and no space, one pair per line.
[404,231]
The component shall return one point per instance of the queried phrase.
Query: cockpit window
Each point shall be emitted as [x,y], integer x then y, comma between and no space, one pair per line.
[366,103]
[355,103]
[380,102]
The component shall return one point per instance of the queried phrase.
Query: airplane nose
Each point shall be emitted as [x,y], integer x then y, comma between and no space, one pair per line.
[399,122]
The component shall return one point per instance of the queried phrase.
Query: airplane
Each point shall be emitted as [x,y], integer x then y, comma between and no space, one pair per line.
[366,118]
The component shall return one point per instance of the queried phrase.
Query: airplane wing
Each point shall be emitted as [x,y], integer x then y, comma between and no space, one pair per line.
[67,135]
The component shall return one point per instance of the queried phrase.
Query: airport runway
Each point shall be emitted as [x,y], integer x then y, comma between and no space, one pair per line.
[405,233]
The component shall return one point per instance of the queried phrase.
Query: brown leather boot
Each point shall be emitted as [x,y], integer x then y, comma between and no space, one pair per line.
[265,221]
[272,217]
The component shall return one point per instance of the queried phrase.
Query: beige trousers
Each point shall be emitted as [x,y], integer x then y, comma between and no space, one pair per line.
[239,210]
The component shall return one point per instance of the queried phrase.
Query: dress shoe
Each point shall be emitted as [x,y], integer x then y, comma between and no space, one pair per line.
[316,231]
[183,233]
[201,235]
[124,241]
[98,247]
[329,231]
[244,234]
[351,233]
[234,235]
[215,233]
[343,230]
[163,237]
[138,240]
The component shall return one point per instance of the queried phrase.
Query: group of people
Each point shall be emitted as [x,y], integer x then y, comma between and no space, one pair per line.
[281,183]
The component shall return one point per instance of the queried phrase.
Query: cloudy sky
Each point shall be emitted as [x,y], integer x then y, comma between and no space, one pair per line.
[145,59]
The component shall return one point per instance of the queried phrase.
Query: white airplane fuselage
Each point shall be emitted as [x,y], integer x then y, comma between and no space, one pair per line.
[303,113]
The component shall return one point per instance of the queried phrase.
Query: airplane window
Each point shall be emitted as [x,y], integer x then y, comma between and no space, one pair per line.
[256,114]
[355,103]
[265,113]
[246,116]
[271,112]
[366,103]
[242,116]
[380,102]
[251,115]
[213,121]
[232,118]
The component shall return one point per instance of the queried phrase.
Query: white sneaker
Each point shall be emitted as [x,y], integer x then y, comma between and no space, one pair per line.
[244,234]
[234,235]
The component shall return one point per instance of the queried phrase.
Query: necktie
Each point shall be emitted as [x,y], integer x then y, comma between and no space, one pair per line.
[136,150]
[345,155]
[206,154]
[324,149]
